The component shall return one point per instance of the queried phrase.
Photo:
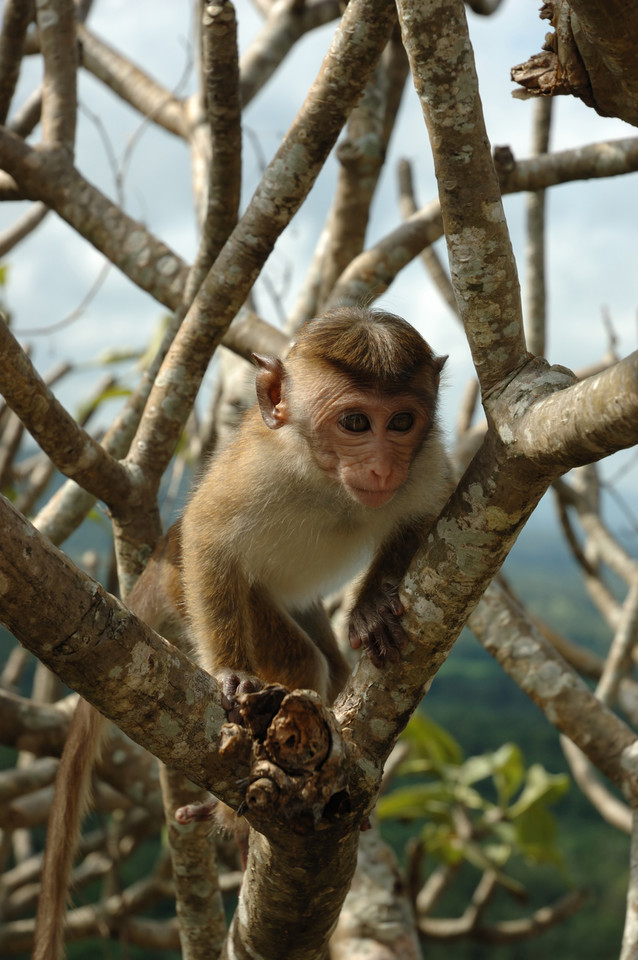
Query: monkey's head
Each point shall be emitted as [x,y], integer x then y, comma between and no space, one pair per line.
[360,386]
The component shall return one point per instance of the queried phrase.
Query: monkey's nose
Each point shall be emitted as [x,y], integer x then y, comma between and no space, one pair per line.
[381,473]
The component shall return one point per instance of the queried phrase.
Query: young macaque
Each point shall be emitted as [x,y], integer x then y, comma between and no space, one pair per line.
[339,464]
[340,461]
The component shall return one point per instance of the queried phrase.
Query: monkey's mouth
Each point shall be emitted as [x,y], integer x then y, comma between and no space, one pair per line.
[372,498]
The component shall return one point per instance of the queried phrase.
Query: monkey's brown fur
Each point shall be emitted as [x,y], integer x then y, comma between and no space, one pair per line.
[340,462]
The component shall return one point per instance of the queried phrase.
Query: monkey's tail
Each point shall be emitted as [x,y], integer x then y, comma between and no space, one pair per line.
[71,801]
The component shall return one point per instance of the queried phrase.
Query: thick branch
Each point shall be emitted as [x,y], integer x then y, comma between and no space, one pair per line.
[589,420]
[151,690]
[481,258]
[318,895]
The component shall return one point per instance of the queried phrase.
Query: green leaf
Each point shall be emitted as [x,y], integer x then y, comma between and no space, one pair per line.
[504,765]
[429,741]
[108,394]
[540,787]
[431,800]
[536,834]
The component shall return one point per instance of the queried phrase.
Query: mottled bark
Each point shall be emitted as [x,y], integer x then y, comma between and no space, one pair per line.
[479,249]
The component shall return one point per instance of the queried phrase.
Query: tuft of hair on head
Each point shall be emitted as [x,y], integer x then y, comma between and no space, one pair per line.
[377,350]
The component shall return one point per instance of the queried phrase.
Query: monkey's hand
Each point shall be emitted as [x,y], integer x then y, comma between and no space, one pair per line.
[233,686]
[374,624]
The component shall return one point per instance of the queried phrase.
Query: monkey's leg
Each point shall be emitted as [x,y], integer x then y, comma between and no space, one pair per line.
[315,622]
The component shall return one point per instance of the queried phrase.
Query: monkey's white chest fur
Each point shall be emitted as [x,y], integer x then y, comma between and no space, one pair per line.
[306,559]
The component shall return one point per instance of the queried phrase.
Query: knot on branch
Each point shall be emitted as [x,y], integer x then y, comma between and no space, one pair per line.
[295,753]
[559,68]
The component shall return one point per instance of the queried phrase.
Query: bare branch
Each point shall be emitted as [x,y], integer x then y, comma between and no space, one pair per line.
[590,419]
[16,19]
[27,117]
[66,618]
[361,154]
[611,158]
[376,920]
[611,809]
[629,946]
[355,49]
[543,675]
[220,65]
[195,876]
[619,658]
[429,256]
[372,272]
[25,225]
[535,249]
[56,24]
[74,452]
[286,22]
[481,258]
[131,83]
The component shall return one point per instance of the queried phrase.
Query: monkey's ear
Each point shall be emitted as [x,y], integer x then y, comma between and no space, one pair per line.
[269,382]
[439,363]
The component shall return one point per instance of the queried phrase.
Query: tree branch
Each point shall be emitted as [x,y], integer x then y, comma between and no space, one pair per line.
[372,272]
[287,21]
[220,66]
[56,25]
[86,636]
[589,420]
[481,258]
[23,226]
[565,699]
[74,452]
[355,49]
[131,84]
[17,17]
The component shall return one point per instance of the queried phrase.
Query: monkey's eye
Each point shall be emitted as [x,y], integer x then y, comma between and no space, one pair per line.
[401,422]
[355,422]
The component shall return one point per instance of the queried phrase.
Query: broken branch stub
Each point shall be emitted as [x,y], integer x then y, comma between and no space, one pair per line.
[296,756]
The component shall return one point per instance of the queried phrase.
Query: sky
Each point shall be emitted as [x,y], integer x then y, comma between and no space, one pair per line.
[592,226]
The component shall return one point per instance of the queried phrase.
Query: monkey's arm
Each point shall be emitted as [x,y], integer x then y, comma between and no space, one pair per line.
[375,618]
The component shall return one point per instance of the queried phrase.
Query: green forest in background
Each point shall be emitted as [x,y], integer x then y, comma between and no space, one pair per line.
[482,708]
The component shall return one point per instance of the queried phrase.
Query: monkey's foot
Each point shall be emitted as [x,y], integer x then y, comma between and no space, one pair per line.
[197,812]
[234,686]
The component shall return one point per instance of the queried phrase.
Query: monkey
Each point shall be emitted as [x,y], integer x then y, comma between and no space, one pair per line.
[340,460]
[339,466]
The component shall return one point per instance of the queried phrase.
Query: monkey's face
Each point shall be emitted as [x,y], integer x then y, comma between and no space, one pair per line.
[364,440]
